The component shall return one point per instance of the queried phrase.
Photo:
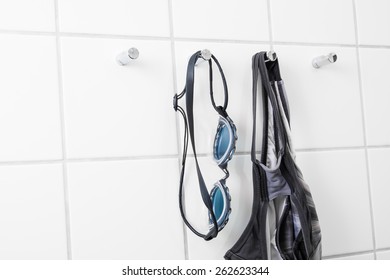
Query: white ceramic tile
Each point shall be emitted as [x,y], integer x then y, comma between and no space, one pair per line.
[383,255]
[237,70]
[123,17]
[374,69]
[32,215]
[379,169]
[114,110]
[29,105]
[373,21]
[125,210]
[221,19]
[37,15]
[240,186]
[357,257]
[319,21]
[338,182]
[325,102]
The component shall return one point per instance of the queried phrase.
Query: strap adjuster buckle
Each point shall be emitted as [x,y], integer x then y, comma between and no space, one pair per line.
[175,102]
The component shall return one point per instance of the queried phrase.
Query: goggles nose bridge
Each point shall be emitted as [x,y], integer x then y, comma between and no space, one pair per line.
[224,169]
[223,166]
[222,111]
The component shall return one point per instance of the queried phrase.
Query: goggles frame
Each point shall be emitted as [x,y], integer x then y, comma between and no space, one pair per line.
[209,198]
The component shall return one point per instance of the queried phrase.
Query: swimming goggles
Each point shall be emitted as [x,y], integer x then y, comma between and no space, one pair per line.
[218,200]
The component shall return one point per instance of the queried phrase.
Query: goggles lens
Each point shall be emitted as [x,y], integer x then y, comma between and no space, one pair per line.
[220,198]
[218,203]
[224,143]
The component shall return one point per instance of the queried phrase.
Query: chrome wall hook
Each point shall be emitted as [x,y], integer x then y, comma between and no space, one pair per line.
[324,60]
[271,55]
[124,58]
[205,54]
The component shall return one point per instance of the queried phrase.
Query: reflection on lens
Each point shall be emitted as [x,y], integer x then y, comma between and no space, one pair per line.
[222,141]
[218,203]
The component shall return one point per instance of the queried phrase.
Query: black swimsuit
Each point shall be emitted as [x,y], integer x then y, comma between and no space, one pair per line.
[284,223]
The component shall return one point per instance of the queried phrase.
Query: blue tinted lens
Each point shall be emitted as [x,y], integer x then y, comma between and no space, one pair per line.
[222,142]
[218,203]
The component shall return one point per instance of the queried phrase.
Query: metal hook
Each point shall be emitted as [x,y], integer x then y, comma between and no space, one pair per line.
[271,55]
[324,60]
[124,58]
[205,54]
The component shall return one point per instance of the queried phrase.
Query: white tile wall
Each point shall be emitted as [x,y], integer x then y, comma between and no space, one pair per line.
[373,22]
[32,215]
[319,21]
[29,100]
[338,180]
[357,257]
[331,92]
[125,210]
[379,166]
[221,19]
[37,15]
[374,66]
[89,150]
[119,17]
[383,255]
[116,97]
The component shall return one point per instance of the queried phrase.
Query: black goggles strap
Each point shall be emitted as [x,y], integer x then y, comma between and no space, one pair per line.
[220,109]
[189,133]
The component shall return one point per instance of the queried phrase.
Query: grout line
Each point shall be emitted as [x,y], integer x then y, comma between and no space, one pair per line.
[374,46]
[26,32]
[244,153]
[383,249]
[113,36]
[356,253]
[91,160]
[271,39]
[314,44]
[63,139]
[362,104]
[184,39]
[333,149]
[225,41]
[205,155]
[343,148]
[124,158]
[30,162]
[174,156]
[378,146]
[347,254]
[178,137]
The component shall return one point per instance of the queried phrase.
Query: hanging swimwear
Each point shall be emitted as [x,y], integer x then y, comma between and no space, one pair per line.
[218,200]
[284,223]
